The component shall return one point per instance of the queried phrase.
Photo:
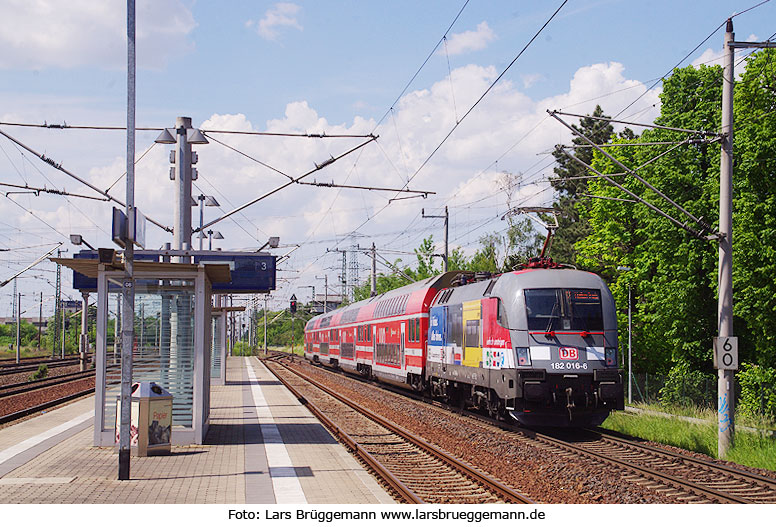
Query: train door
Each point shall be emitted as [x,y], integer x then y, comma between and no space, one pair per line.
[402,346]
[374,345]
[472,339]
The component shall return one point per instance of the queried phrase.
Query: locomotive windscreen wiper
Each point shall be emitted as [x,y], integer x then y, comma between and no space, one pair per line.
[555,306]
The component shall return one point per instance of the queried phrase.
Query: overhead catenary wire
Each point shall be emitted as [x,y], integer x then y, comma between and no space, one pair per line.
[423,65]
[38,190]
[633,173]
[66,126]
[668,73]
[472,107]
[281,187]
[80,180]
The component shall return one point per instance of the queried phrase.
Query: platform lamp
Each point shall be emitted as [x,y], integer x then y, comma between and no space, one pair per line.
[213,235]
[77,239]
[273,242]
[83,340]
[204,201]
[630,341]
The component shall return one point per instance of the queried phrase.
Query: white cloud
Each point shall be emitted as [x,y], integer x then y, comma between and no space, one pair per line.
[460,43]
[50,33]
[530,79]
[281,15]
[716,57]
[508,126]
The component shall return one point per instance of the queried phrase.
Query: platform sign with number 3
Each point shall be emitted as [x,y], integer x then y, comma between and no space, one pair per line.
[726,353]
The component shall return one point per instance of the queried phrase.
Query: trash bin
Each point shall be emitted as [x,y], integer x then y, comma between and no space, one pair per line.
[151,421]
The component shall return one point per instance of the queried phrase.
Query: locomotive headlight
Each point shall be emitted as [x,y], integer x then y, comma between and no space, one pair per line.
[523,356]
[611,356]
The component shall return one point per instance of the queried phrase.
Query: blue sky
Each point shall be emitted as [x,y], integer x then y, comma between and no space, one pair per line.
[319,66]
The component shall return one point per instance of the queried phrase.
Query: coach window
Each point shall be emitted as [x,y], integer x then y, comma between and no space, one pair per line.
[368,333]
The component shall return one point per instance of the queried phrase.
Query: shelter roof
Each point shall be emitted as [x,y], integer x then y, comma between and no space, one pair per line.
[89,267]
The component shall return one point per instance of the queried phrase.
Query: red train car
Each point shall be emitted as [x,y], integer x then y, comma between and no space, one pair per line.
[382,337]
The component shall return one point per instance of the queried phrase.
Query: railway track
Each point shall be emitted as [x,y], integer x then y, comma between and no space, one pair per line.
[682,478]
[743,486]
[11,368]
[665,472]
[21,399]
[24,387]
[415,470]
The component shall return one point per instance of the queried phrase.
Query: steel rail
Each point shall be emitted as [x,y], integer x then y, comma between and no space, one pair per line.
[10,370]
[44,406]
[23,387]
[462,466]
[653,475]
[392,481]
[685,459]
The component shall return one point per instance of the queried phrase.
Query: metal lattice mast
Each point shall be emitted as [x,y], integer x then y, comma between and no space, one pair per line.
[13,301]
[344,275]
[353,271]
[57,306]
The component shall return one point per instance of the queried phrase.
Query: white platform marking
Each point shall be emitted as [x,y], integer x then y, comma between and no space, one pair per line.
[10,452]
[281,469]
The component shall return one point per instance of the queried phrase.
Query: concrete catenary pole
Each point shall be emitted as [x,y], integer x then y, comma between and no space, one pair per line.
[725,385]
[726,377]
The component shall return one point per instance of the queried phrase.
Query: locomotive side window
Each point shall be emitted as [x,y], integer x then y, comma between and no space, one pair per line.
[455,325]
[472,333]
[564,310]
[502,315]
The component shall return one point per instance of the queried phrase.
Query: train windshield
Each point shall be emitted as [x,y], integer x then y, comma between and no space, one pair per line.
[564,310]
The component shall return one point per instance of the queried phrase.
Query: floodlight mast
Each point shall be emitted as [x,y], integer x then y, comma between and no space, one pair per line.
[128,284]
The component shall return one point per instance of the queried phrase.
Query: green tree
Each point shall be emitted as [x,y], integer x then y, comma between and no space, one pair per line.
[754,209]
[571,186]
[425,255]
[674,275]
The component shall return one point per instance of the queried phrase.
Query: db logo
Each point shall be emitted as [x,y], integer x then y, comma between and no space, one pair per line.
[568,353]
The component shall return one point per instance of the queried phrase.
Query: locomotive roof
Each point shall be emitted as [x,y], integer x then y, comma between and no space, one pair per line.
[502,285]
[443,289]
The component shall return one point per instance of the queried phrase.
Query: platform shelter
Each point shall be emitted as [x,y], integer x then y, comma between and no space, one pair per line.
[179,338]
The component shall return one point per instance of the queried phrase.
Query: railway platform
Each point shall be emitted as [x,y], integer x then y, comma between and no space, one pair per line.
[262,446]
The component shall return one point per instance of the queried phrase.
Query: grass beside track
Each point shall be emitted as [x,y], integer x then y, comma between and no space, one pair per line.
[750,448]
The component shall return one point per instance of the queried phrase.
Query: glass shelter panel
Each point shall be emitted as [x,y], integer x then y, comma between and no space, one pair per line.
[163,349]
[215,356]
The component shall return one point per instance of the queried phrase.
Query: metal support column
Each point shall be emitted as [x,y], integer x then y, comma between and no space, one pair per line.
[83,344]
[128,285]
[447,231]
